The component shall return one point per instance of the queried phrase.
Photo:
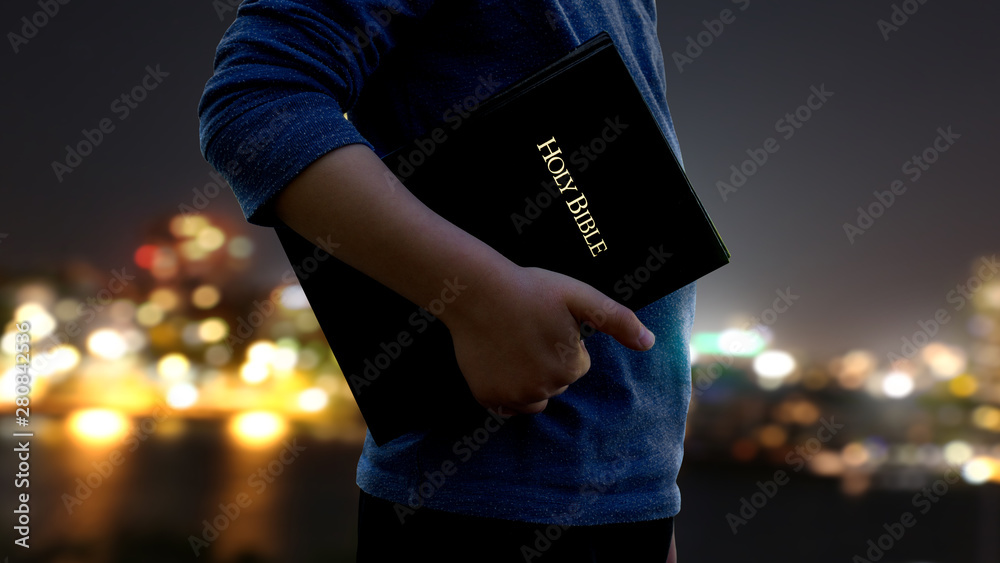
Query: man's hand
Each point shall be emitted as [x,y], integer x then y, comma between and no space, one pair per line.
[517,335]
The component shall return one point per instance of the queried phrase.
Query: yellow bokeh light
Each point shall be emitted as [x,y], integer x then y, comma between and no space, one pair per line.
[212,330]
[205,296]
[256,429]
[945,361]
[67,309]
[963,386]
[182,395]
[106,343]
[149,314]
[805,413]
[854,454]
[957,452]
[987,417]
[97,426]
[187,225]
[164,298]
[313,399]
[240,247]
[285,359]
[772,436]
[42,323]
[62,358]
[261,352]
[193,251]
[211,238]
[979,470]
[173,366]
[827,464]
[254,372]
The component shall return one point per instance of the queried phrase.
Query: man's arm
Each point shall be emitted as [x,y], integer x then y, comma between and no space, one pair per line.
[516,330]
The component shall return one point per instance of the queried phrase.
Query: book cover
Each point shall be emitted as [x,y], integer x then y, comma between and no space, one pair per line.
[565,170]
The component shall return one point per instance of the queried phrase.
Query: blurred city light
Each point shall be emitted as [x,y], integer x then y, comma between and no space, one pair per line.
[732,342]
[173,367]
[107,343]
[182,395]
[205,296]
[978,470]
[897,384]
[254,372]
[97,426]
[313,399]
[945,361]
[256,429]
[774,364]
[42,323]
[957,452]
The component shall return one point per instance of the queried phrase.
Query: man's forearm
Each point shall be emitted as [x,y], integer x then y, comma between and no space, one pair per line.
[383,230]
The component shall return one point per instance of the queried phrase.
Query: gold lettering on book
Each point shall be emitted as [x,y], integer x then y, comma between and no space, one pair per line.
[578,206]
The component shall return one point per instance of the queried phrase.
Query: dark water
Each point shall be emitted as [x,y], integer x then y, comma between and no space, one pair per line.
[149,506]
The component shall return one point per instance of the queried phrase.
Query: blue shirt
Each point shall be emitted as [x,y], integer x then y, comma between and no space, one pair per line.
[609,448]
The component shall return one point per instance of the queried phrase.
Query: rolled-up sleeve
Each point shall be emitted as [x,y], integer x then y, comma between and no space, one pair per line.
[286,72]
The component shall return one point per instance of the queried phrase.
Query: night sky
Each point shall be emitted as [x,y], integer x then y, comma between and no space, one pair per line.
[886,102]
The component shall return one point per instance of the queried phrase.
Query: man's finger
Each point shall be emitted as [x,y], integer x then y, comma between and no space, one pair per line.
[614,319]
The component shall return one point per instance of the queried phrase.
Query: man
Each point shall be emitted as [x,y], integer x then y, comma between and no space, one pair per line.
[586,470]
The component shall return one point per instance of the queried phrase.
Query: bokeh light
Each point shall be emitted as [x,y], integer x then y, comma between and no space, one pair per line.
[205,296]
[173,367]
[97,426]
[773,364]
[897,385]
[107,343]
[258,428]
[313,399]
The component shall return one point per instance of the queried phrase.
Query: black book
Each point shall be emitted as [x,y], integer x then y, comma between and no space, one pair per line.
[566,170]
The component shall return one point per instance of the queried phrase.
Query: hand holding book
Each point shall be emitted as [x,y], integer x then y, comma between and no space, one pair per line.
[517,340]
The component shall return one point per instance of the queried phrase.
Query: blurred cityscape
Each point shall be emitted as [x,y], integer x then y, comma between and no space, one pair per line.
[174,348]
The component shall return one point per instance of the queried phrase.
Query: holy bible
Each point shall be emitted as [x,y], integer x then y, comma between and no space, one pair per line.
[565,170]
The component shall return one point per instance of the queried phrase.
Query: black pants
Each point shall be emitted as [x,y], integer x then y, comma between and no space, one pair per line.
[445,536]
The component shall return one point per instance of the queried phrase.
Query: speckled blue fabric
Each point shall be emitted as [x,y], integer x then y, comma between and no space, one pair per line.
[609,448]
